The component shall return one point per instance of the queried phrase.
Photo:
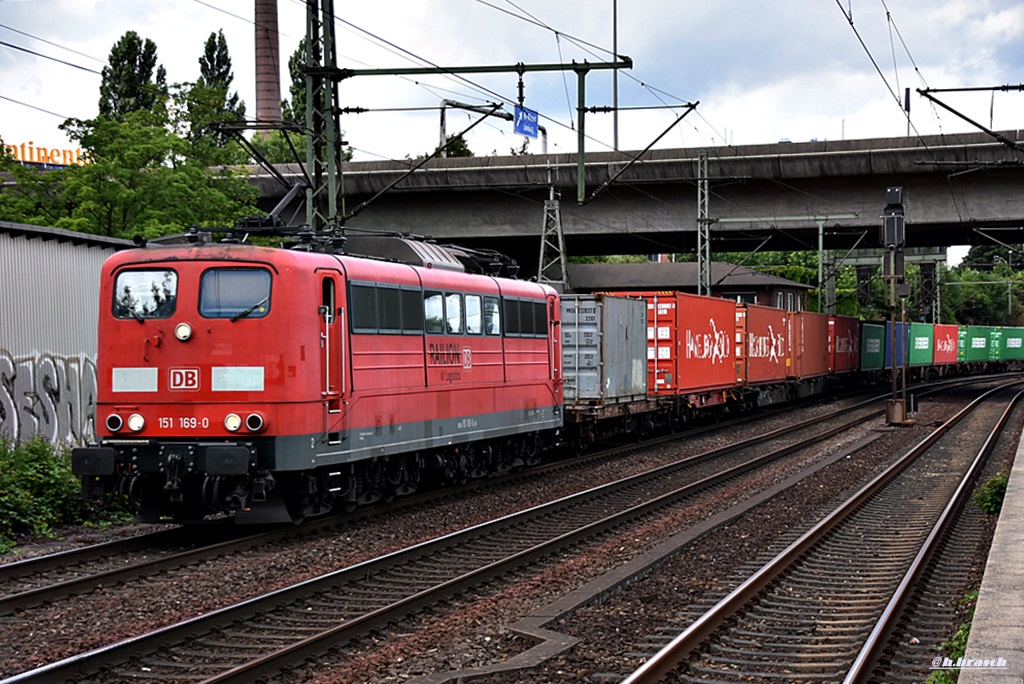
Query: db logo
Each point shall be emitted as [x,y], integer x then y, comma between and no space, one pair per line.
[185,379]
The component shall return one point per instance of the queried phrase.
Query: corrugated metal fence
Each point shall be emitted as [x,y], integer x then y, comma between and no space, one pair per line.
[49,303]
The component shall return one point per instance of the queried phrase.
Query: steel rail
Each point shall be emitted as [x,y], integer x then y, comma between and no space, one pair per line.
[315,644]
[871,651]
[11,572]
[689,641]
[167,636]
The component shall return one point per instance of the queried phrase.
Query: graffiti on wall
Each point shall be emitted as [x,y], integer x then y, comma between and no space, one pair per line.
[47,396]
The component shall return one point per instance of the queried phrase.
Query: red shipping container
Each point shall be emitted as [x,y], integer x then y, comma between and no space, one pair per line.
[946,344]
[844,344]
[689,342]
[808,344]
[762,343]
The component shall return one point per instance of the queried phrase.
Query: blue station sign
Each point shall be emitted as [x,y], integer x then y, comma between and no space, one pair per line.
[526,122]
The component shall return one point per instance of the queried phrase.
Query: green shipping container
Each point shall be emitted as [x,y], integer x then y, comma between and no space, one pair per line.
[872,341]
[1013,344]
[980,343]
[922,344]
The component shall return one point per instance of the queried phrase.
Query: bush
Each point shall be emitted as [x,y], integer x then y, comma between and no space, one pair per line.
[37,490]
[989,496]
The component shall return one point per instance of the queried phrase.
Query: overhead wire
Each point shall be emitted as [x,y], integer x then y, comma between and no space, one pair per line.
[849,17]
[53,59]
[32,106]
[51,43]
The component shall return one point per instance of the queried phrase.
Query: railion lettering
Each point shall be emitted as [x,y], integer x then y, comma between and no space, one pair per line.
[445,354]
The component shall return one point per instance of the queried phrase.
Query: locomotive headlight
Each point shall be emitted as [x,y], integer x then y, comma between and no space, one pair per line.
[254,422]
[136,422]
[114,422]
[232,422]
[183,331]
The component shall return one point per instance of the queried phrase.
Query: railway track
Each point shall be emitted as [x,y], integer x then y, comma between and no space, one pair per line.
[28,583]
[265,634]
[825,608]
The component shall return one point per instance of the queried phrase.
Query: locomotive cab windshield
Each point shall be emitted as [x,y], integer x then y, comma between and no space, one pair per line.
[234,293]
[145,294]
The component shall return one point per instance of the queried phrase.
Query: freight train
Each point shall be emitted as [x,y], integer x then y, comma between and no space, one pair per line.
[270,384]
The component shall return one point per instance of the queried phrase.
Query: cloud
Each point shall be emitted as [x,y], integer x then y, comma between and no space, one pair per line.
[761,70]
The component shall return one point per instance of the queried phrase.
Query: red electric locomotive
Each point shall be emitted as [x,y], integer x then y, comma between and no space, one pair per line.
[276,384]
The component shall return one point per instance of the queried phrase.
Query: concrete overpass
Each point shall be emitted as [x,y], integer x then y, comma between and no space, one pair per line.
[958,189]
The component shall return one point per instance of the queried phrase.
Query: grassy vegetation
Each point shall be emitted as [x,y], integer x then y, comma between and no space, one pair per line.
[989,496]
[38,492]
[957,646]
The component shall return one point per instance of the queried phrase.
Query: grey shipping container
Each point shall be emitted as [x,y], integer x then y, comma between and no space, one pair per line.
[604,349]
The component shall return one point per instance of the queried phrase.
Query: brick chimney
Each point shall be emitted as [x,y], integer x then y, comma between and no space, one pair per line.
[268,62]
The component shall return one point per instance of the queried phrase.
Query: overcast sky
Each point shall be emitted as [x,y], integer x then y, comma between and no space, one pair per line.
[761,71]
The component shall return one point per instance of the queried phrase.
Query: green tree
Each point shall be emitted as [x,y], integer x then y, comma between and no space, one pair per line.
[146,180]
[33,197]
[973,296]
[294,110]
[215,72]
[206,104]
[458,147]
[129,83]
[143,179]
[209,101]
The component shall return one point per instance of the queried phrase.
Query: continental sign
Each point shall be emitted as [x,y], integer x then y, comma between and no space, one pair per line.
[27,153]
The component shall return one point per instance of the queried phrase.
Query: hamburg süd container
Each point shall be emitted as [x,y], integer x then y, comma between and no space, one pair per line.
[762,344]
[808,344]
[946,338]
[689,343]
[844,344]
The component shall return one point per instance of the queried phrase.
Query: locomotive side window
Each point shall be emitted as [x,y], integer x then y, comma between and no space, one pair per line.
[453,314]
[492,316]
[540,318]
[145,294]
[386,309]
[525,318]
[412,312]
[234,293]
[512,322]
[362,302]
[389,309]
[473,314]
[433,312]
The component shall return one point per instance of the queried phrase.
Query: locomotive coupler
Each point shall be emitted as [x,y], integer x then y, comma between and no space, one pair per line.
[262,484]
[173,484]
